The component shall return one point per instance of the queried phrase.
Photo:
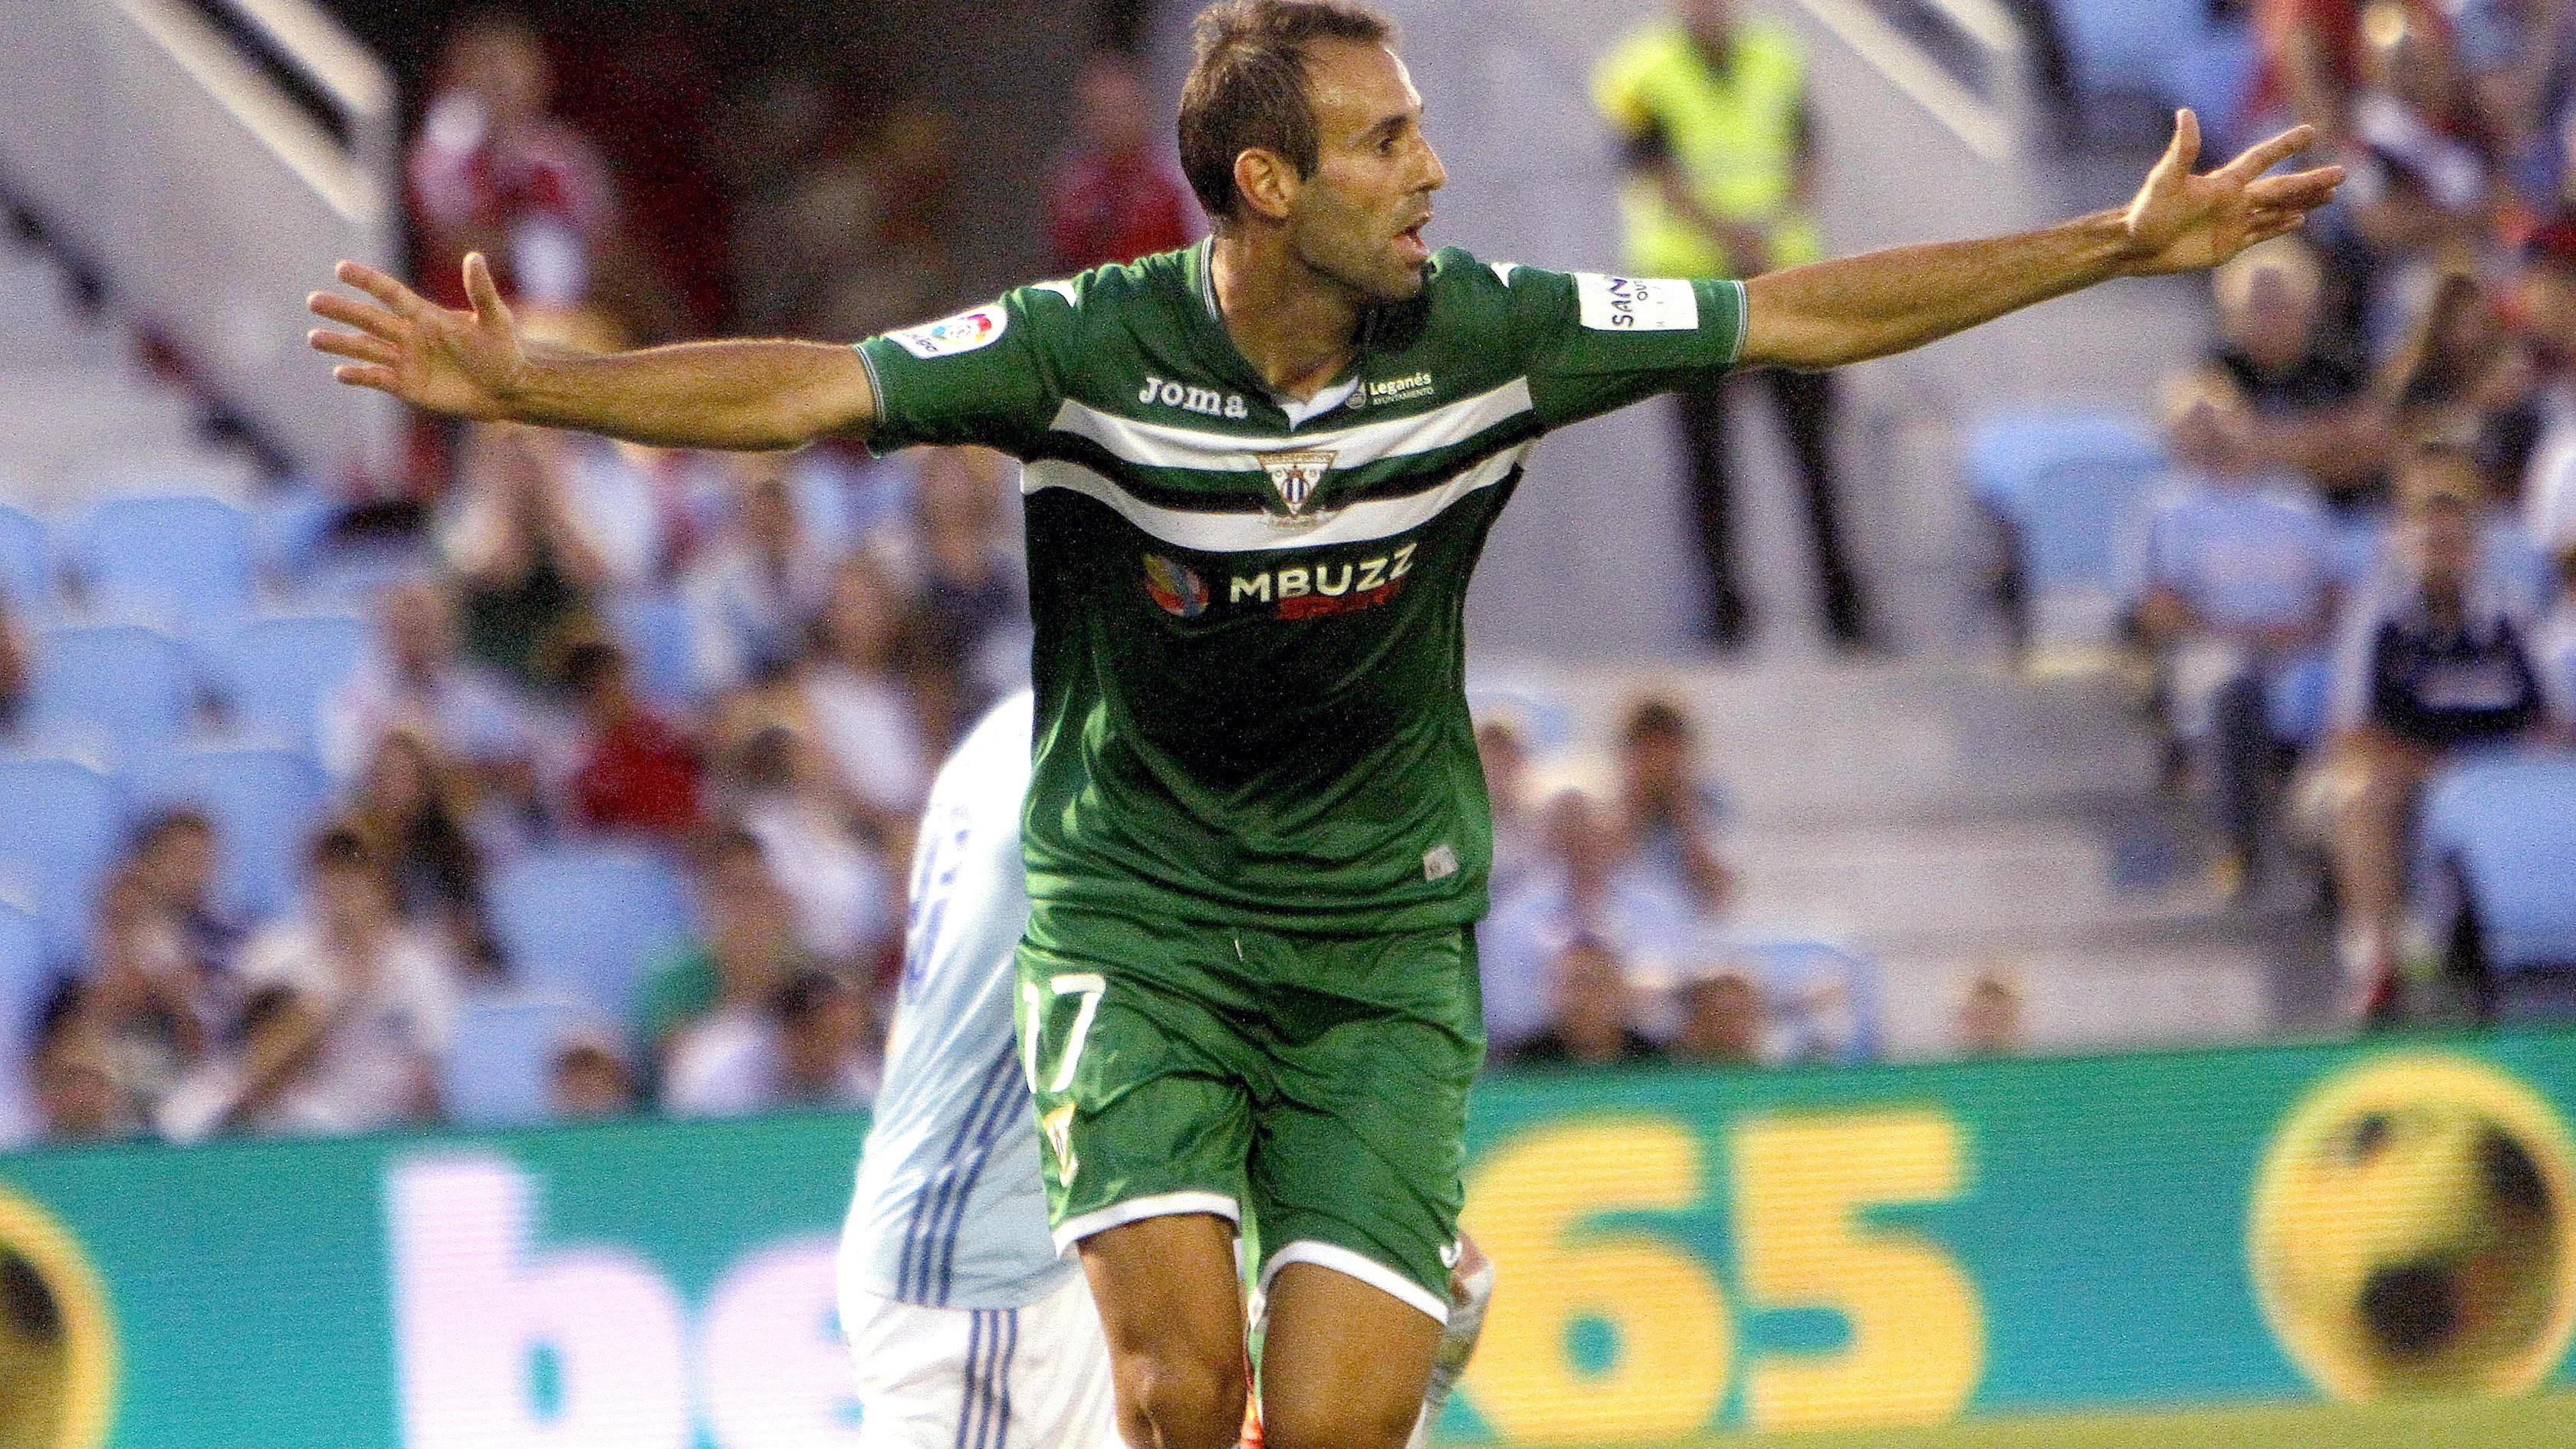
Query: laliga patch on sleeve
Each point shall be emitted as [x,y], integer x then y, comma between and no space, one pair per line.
[949,336]
[1636,304]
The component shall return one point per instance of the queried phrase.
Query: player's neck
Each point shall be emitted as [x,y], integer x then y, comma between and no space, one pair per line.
[1296,326]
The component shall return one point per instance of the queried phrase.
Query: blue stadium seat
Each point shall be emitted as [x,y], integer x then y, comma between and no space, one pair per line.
[62,825]
[272,674]
[654,630]
[25,976]
[589,921]
[182,559]
[2507,827]
[26,578]
[2009,453]
[1821,996]
[2127,46]
[265,804]
[499,1067]
[121,688]
[289,529]
[2066,485]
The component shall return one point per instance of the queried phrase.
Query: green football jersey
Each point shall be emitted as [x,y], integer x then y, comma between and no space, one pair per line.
[1250,658]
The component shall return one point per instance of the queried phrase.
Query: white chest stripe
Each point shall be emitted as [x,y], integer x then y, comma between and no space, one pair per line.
[1360,522]
[1162,445]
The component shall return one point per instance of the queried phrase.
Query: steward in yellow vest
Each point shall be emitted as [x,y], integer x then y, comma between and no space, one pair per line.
[1712,110]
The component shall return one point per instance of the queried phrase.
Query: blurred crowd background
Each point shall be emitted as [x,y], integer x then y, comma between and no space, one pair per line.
[545,777]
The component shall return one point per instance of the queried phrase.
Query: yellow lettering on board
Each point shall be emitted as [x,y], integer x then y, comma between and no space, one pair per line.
[1530,1204]
[1917,1343]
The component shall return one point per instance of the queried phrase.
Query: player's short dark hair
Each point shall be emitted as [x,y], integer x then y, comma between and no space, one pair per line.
[1247,86]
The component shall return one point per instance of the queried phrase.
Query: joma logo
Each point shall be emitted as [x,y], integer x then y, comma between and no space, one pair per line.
[1205,401]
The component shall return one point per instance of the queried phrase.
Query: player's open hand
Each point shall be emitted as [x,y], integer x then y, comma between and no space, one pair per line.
[465,363]
[2181,221]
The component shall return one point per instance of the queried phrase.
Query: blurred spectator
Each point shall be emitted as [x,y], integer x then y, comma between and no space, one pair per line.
[2459,374]
[493,172]
[2312,404]
[174,861]
[2557,646]
[2311,58]
[417,814]
[416,677]
[2434,660]
[150,1009]
[850,241]
[961,563]
[1712,111]
[1721,1022]
[77,1095]
[2548,303]
[812,1044]
[746,946]
[2419,164]
[588,1080]
[779,787]
[349,1012]
[526,566]
[2237,593]
[1589,887]
[1990,1017]
[1112,199]
[1665,815]
[17,669]
[757,587]
[1588,1025]
[865,714]
[1504,751]
[635,772]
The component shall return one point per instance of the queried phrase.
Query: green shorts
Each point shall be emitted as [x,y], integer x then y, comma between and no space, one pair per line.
[1320,1080]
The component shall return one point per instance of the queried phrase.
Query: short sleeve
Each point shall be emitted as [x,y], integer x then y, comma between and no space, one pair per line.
[985,375]
[1599,342]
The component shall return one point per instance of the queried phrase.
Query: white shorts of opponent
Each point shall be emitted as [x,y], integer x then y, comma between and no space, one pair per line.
[982,1378]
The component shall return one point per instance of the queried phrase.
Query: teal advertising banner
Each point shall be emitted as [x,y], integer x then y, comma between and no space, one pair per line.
[1678,1251]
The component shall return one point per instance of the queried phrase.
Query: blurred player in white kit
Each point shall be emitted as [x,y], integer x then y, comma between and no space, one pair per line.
[969,1330]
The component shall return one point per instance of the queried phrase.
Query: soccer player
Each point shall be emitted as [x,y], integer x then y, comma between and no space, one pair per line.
[1257,473]
[967,1326]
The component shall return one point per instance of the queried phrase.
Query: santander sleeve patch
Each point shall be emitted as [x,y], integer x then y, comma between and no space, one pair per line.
[981,327]
[1635,304]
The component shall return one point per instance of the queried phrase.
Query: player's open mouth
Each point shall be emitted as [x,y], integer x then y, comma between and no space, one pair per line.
[1410,240]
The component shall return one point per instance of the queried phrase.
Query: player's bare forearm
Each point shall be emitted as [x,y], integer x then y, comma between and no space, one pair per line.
[1827,314]
[472,363]
[737,395]
[1861,307]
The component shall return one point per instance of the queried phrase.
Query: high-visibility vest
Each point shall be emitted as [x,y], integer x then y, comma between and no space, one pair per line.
[1733,133]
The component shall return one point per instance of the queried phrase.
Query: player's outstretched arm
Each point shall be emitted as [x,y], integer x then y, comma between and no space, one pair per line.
[1860,307]
[473,364]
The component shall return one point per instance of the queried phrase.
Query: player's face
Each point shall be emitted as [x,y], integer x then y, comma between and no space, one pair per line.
[1359,218]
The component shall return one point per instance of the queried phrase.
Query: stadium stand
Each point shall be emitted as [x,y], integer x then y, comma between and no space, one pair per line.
[586,921]
[2502,832]
[60,822]
[2063,485]
[270,674]
[264,804]
[122,690]
[26,577]
[498,1070]
[178,559]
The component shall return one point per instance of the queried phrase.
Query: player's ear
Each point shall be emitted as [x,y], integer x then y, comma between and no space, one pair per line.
[1266,183]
